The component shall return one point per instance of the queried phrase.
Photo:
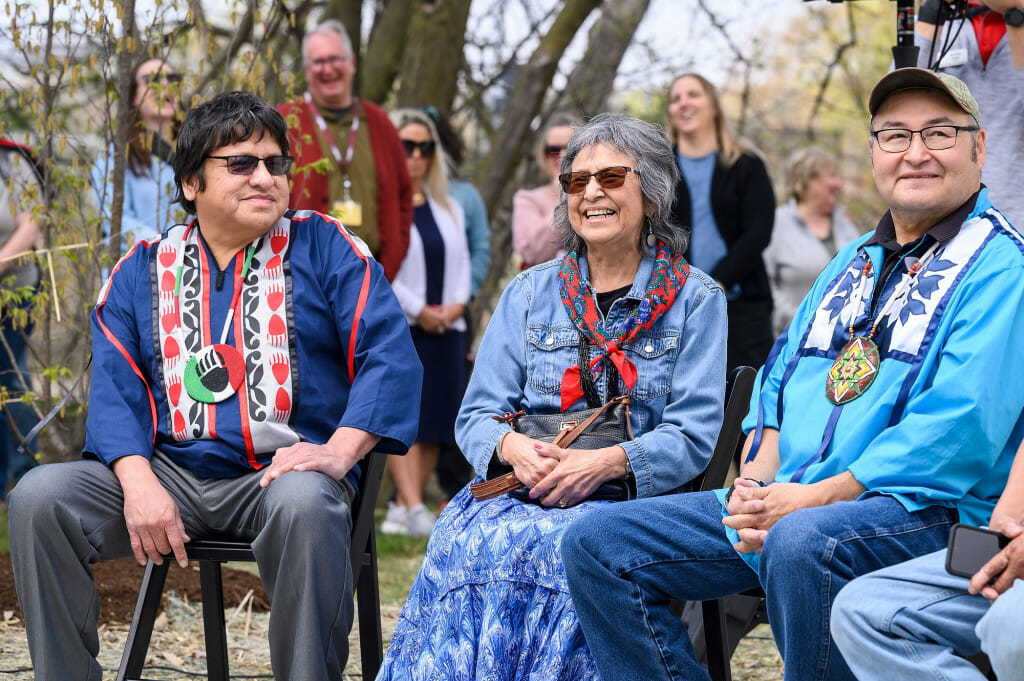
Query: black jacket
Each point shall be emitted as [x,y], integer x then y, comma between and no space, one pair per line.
[743,203]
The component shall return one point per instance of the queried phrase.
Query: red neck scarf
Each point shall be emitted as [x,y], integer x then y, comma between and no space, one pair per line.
[667,279]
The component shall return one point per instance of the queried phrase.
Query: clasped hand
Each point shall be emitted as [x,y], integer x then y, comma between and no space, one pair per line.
[753,509]
[557,476]
[437,319]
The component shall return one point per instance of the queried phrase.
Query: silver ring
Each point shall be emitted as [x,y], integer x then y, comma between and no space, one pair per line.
[563,503]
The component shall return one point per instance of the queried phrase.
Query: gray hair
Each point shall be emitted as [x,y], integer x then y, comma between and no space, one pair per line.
[327,27]
[803,166]
[649,146]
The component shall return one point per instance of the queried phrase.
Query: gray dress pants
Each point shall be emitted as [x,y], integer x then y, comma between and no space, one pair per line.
[64,517]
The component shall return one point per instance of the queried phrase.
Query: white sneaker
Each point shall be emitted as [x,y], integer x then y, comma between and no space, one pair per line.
[396,521]
[420,521]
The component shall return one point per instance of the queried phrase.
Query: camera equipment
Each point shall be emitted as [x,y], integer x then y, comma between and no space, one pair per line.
[904,52]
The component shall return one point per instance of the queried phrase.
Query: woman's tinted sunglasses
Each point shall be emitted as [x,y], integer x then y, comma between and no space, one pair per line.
[609,178]
[426,148]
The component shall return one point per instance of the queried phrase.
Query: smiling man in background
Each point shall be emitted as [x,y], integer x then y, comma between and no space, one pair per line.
[349,160]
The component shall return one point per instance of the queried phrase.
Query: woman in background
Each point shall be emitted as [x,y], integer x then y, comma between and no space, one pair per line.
[453,472]
[432,286]
[478,229]
[810,228]
[156,112]
[533,236]
[726,199]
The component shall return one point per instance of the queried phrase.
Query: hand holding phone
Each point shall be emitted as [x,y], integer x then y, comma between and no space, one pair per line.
[970,548]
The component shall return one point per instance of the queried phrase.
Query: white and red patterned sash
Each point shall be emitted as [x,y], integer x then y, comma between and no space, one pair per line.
[262,333]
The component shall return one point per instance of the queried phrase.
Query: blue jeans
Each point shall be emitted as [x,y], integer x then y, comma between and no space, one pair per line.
[21,414]
[916,621]
[626,561]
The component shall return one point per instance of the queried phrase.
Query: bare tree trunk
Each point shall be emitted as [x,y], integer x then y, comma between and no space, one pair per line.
[591,81]
[125,57]
[431,63]
[513,138]
[350,14]
[526,100]
[387,42]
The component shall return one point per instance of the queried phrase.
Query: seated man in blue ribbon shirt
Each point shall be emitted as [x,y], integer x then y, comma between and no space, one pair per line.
[890,407]
[243,365]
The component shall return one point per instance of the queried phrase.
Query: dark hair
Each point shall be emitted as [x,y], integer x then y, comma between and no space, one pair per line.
[559,119]
[228,118]
[649,145]
[139,152]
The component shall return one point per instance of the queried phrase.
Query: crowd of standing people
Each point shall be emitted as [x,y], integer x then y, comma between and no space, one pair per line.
[294,294]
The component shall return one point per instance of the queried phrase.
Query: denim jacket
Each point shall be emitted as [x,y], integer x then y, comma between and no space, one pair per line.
[676,409]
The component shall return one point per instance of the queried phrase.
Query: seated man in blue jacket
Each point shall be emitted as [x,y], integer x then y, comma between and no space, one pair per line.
[890,407]
[243,364]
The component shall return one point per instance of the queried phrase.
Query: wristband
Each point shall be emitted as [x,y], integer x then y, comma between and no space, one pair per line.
[732,488]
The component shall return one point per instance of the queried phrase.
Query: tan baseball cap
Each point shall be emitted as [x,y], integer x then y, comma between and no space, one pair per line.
[913,78]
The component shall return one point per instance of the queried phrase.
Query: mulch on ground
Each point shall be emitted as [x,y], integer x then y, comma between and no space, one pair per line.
[118,584]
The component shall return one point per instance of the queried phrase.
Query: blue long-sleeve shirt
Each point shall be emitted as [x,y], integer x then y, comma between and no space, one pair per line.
[317,321]
[941,423]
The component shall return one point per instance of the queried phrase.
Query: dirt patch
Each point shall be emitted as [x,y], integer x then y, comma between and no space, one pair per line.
[118,583]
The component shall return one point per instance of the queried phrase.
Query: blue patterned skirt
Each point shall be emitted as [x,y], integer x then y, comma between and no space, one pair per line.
[490,600]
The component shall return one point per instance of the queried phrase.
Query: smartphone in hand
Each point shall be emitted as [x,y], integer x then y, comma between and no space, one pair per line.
[970,548]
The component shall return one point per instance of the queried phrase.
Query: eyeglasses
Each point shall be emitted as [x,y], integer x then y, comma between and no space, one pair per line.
[426,148]
[246,165]
[935,137]
[609,178]
[336,60]
[553,150]
[161,77]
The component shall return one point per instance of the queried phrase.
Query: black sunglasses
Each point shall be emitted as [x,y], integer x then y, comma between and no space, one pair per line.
[609,178]
[246,165]
[553,149]
[161,77]
[426,148]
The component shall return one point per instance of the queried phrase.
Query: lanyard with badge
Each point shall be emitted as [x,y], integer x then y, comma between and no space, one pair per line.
[349,211]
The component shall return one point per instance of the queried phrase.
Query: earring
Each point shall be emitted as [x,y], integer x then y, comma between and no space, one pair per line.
[651,241]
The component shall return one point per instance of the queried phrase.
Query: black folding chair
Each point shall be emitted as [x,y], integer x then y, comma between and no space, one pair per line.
[211,554]
[739,387]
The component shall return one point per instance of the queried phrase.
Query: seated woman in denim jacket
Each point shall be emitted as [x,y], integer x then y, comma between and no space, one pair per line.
[491,598]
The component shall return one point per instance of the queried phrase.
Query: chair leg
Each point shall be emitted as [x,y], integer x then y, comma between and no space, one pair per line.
[371,639]
[715,638]
[141,630]
[213,620]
